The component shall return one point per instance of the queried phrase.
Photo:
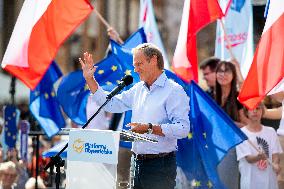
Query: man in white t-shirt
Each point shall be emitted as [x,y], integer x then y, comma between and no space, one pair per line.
[259,169]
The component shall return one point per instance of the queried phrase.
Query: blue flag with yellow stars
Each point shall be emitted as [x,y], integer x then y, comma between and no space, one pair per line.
[212,135]
[44,105]
[11,118]
[73,92]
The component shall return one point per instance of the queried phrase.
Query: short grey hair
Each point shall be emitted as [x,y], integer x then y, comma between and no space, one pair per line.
[150,50]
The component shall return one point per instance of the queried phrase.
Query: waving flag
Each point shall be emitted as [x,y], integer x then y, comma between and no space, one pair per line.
[239,33]
[73,91]
[148,21]
[196,14]
[267,68]
[44,105]
[41,28]
[72,95]
[11,119]
[212,135]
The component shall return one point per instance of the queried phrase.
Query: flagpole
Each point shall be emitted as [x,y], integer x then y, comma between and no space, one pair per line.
[234,60]
[107,25]
[227,39]
[254,146]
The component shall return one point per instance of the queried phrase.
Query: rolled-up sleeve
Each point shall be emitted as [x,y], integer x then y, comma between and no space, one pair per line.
[177,107]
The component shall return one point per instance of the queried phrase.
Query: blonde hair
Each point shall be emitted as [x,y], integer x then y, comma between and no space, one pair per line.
[8,165]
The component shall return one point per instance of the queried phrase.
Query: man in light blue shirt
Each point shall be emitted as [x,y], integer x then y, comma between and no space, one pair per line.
[160,110]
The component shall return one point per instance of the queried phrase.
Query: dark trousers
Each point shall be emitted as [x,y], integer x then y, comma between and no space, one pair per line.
[158,173]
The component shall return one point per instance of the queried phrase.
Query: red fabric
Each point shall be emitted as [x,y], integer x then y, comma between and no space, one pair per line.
[267,68]
[201,13]
[50,31]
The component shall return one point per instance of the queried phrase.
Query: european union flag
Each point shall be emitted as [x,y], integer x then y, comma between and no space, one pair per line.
[73,92]
[212,135]
[43,102]
[11,118]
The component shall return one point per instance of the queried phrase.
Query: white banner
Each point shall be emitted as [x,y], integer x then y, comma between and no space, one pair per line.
[239,29]
[148,21]
[92,159]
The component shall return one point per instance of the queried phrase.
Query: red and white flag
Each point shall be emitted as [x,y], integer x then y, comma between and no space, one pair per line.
[267,69]
[196,14]
[42,26]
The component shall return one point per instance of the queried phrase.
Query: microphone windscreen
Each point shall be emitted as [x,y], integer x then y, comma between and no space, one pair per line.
[127,79]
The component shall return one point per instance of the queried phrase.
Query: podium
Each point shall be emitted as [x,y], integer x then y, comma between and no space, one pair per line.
[92,157]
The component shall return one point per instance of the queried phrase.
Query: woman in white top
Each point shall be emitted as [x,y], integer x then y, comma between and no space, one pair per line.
[255,166]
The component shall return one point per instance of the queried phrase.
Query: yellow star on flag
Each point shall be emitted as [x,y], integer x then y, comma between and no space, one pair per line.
[53,94]
[195,183]
[209,184]
[101,71]
[190,135]
[46,95]
[108,83]
[127,72]
[86,87]
[204,134]
[114,68]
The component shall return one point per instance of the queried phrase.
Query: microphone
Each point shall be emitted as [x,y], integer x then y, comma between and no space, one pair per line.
[125,81]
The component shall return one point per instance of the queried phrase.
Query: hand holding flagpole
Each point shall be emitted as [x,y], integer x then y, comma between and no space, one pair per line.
[259,151]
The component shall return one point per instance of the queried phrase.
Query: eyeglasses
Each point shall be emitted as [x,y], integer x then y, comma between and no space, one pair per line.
[226,71]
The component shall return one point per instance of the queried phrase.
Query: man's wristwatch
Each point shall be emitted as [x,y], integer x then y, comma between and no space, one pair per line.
[150,128]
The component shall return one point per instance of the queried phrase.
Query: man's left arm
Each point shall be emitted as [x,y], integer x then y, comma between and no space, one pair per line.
[177,107]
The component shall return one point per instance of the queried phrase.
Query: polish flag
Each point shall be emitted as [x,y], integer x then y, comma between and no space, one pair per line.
[267,69]
[42,26]
[196,14]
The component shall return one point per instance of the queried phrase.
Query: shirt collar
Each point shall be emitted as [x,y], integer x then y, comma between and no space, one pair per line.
[160,81]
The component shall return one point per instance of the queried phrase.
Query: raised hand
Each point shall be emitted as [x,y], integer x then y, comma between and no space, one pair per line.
[88,71]
[88,66]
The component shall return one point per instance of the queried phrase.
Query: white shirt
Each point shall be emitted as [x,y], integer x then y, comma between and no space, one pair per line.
[251,176]
[165,103]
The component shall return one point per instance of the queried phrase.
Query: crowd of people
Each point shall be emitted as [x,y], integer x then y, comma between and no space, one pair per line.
[258,160]
[157,114]
[160,110]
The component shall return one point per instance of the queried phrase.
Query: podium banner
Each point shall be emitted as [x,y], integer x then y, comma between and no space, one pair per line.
[92,158]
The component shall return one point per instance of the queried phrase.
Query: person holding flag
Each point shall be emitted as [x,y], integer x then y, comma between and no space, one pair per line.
[155,113]
[259,168]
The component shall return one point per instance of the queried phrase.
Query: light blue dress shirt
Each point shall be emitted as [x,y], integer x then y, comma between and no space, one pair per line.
[165,104]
